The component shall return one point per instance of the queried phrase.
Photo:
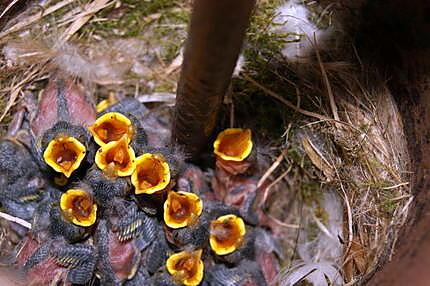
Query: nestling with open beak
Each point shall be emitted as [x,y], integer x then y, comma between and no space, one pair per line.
[123,117]
[186,267]
[116,158]
[61,141]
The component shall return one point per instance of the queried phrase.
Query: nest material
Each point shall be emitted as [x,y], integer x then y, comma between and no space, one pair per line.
[361,158]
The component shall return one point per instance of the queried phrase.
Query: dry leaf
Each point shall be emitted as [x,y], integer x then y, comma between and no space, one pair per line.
[318,159]
[356,262]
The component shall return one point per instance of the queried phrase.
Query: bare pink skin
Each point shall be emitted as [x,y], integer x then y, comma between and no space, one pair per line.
[192,177]
[11,277]
[233,168]
[46,273]
[80,109]
[29,246]
[123,256]
[268,264]
[232,189]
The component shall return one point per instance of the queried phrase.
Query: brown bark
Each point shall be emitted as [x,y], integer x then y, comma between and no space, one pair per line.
[214,41]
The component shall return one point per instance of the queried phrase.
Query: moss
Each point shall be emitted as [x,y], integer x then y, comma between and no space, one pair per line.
[310,192]
[321,214]
[127,19]
[265,63]
[388,207]
[387,203]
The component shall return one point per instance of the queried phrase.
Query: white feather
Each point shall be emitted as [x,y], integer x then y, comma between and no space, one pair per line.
[102,62]
[292,19]
[320,257]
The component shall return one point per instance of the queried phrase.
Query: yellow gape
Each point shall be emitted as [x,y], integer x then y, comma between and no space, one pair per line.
[64,154]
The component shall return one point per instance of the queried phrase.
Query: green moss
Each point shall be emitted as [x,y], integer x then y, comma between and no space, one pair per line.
[265,63]
[387,203]
[388,207]
[321,214]
[132,21]
[132,18]
[310,192]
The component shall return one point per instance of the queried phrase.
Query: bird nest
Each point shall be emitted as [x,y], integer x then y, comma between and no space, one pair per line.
[327,158]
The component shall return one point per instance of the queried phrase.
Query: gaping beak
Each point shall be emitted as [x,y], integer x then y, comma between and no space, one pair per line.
[116,158]
[233,144]
[78,207]
[226,234]
[181,209]
[187,268]
[152,174]
[111,126]
[64,154]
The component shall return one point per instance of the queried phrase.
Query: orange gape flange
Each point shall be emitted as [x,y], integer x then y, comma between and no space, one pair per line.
[78,207]
[187,268]
[182,209]
[152,174]
[111,126]
[116,158]
[226,234]
[64,154]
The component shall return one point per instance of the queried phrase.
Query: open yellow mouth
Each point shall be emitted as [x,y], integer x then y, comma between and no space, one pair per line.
[187,268]
[111,126]
[78,207]
[226,234]
[64,154]
[181,209]
[152,174]
[233,144]
[116,158]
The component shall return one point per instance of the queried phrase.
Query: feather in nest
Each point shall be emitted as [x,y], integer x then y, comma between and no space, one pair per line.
[293,20]
[320,255]
[102,63]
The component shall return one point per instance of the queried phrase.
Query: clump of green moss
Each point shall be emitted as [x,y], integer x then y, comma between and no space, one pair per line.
[160,23]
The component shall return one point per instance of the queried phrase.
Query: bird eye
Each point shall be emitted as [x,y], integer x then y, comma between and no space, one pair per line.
[64,154]
[152,174]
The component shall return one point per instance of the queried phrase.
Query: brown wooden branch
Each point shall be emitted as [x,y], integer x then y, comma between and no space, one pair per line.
[214,41]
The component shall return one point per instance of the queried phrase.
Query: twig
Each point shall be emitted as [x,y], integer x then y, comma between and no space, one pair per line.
[326,81]
[157,97]
[16,90]
[272,168]
[284,101]
[396,186]
[83,17]
[269,187]
[36,17]
[8,7]
[17,220]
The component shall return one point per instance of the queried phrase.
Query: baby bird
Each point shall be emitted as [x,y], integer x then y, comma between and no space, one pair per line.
[119,119]
[59,262]
[21,183]
[61,142]
[247,273]
[122,237]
